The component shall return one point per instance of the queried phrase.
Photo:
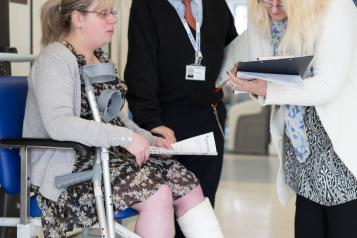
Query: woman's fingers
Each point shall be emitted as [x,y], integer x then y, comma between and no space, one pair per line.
[234,68]
[255,86]
[146,155]
[166,132]
[171,136]
[142,157]
[237,83]
[139,159]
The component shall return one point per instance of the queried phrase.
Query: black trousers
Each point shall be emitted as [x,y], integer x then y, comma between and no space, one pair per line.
[313,220]
[187,122]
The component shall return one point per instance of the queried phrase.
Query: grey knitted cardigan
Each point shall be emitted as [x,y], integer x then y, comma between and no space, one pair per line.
[53,111]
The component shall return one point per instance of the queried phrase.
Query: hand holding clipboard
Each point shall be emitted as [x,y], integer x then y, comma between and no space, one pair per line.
[287,71]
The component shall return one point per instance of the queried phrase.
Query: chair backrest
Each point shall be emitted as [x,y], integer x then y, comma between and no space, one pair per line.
[13,92]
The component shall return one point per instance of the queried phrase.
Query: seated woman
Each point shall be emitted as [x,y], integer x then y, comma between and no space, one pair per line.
[57,107]
[312,127]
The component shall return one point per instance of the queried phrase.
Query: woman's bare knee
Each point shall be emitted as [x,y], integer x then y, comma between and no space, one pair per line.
[190,200]
[162,198]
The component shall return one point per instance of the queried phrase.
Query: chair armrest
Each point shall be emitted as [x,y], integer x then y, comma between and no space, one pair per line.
[81,149]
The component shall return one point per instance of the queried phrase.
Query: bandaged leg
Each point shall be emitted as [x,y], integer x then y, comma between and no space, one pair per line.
[200,222]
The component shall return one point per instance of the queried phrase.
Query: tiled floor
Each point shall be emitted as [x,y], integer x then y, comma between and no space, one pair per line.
[247,205]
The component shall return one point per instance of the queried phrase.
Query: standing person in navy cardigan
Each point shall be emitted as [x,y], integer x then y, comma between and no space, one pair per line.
[164,46]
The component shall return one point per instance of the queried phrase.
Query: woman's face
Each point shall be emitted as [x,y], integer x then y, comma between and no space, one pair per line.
[274,9]
[98,25]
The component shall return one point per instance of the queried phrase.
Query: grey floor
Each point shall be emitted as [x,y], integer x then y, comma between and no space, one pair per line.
[247,205]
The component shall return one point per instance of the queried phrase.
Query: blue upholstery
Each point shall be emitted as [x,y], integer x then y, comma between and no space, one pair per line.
[13,92]
[35,210]
[129,212]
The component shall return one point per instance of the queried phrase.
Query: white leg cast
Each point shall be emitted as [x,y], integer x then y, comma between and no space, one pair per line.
[200,222]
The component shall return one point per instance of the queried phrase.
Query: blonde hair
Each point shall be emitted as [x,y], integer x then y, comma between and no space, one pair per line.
[56,16]
[304,24]
[260,17]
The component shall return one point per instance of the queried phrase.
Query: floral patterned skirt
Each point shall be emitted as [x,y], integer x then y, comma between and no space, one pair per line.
[131,184]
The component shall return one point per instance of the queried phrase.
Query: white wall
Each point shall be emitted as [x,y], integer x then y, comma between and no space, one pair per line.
[20,33]
[19,15]
[36,27]
[239,11]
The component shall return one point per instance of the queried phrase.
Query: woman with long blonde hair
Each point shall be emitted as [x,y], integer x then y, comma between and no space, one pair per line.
[313,128]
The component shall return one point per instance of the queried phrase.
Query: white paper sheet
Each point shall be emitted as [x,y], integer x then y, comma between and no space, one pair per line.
[198,145]
[283,79]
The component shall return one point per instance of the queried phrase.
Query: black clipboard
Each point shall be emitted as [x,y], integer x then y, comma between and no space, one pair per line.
[289,66]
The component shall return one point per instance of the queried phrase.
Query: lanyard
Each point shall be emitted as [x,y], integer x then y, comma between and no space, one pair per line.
[195,43]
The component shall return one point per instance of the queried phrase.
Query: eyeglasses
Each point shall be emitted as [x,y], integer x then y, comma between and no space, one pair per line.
[269,4]
[103,13]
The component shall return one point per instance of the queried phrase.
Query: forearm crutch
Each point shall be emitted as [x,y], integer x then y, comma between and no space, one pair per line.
[109,103]
[101,73]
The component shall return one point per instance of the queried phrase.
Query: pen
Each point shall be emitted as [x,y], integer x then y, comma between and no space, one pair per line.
[226,81]
[219,85]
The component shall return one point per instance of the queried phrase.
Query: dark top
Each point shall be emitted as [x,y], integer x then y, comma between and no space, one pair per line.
[159,50]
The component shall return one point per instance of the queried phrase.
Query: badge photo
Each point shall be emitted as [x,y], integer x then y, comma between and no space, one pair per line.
[195,72]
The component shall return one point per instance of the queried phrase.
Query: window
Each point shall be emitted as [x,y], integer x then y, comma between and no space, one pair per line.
[239,10]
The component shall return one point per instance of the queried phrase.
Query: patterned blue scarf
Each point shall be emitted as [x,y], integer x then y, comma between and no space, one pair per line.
[293,115]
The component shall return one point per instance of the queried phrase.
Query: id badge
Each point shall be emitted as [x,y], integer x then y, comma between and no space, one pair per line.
[196,72]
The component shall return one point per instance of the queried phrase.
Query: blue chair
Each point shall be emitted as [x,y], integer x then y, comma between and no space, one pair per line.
[13,170]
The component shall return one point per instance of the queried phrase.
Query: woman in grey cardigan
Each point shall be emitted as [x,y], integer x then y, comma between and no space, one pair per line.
[58,108]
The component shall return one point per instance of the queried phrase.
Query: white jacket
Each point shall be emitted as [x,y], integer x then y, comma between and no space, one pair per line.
[332,91]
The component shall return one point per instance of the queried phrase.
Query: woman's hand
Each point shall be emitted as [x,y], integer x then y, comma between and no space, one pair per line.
[256,86]
[161,142]
[140,148]
[165,132]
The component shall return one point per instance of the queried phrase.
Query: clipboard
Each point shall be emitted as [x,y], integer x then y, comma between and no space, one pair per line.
[287,66]
[287,71]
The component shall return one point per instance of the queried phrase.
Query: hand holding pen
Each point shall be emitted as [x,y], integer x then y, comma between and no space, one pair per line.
[257,87]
